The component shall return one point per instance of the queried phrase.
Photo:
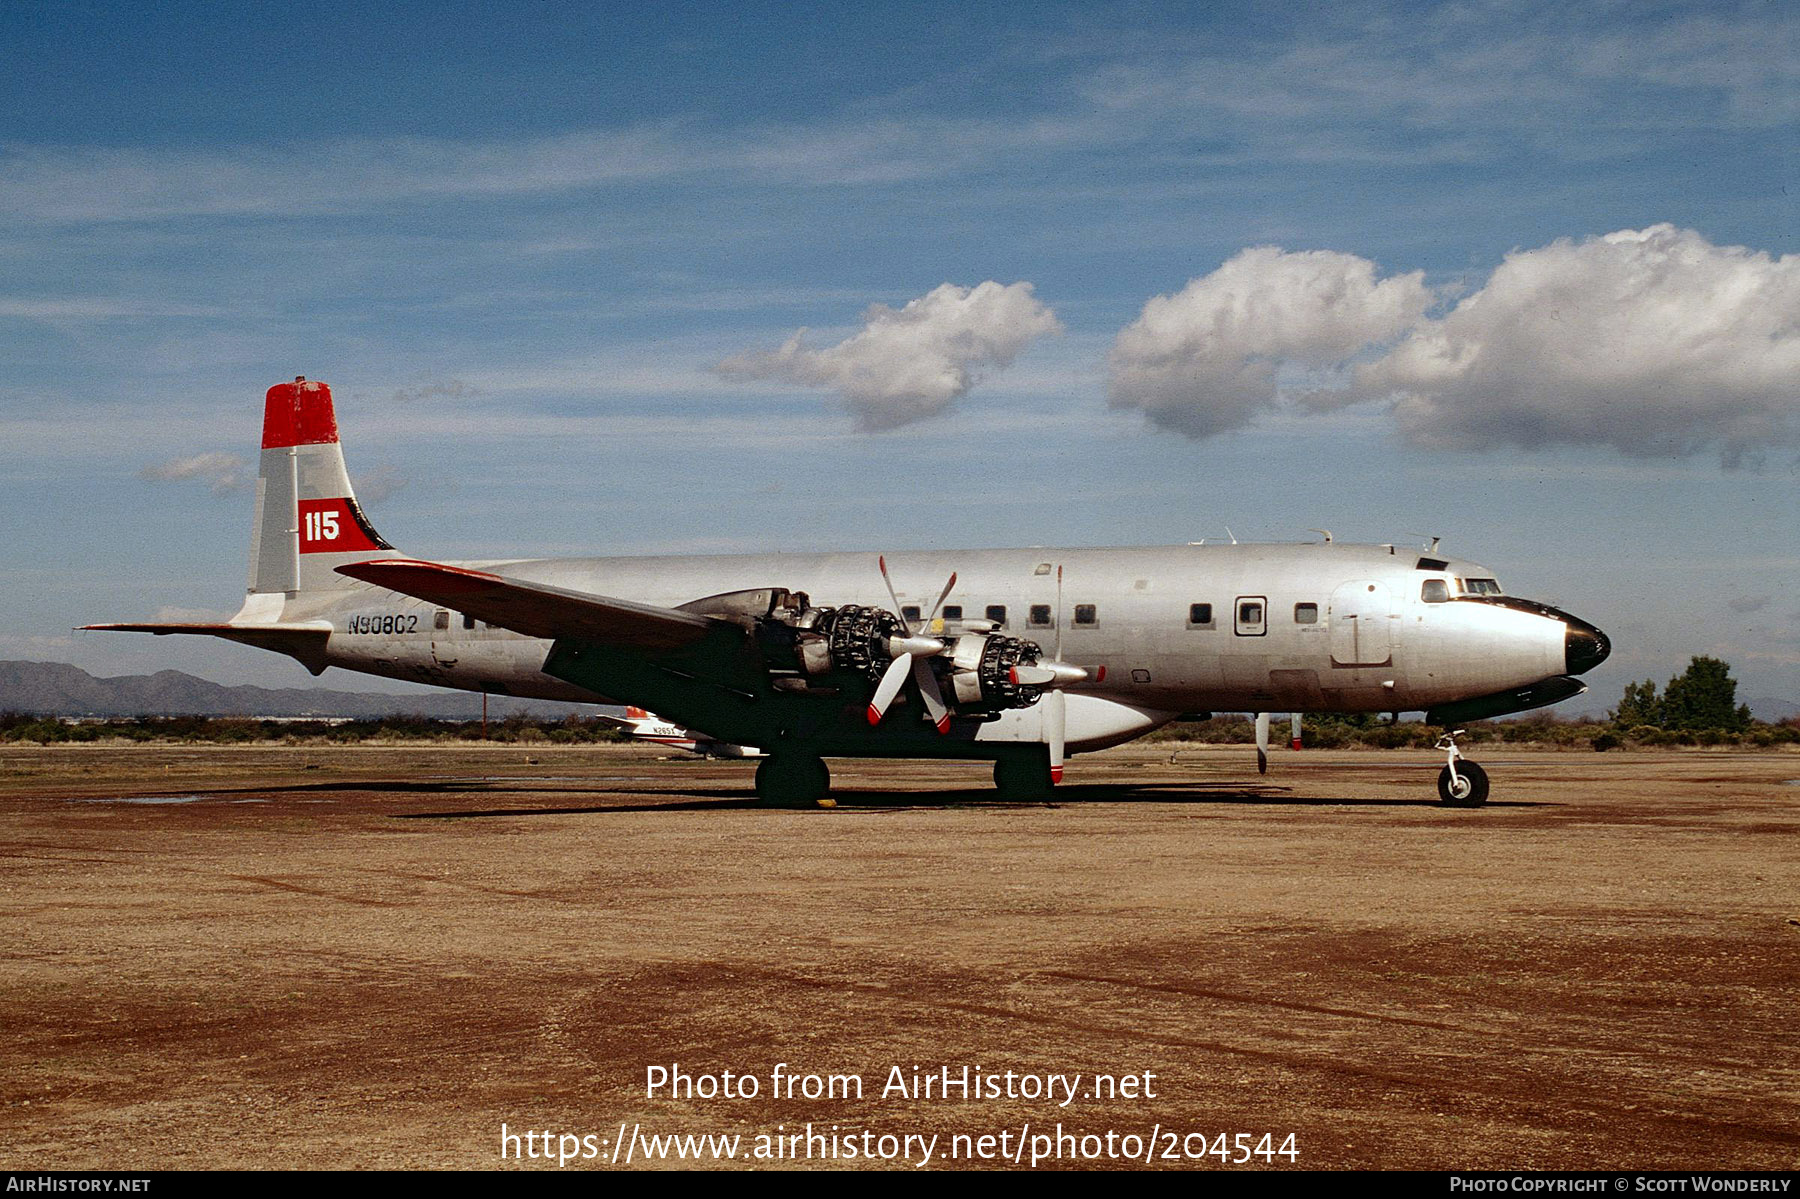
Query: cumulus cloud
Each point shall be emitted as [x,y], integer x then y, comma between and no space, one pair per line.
[221,472]
[906,364]
[1205,359]
[1651,342]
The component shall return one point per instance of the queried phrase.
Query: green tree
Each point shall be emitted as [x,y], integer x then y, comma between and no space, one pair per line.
[1639,707]
[1703,697]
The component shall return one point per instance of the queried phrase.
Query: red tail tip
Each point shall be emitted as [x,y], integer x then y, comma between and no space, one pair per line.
[298,413]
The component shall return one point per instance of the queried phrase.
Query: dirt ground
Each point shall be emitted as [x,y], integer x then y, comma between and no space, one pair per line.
[376,957]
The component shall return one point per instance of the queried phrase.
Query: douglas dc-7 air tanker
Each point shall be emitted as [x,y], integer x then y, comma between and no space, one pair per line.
[1015,656]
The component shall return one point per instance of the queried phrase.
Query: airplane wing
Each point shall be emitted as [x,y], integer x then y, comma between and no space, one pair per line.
[537,609]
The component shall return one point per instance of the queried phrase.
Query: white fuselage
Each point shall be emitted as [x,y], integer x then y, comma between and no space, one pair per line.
[1319,627]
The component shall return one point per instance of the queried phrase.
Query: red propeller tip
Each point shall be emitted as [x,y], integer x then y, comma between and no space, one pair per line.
[874,716]
[1056,774]
[943,724]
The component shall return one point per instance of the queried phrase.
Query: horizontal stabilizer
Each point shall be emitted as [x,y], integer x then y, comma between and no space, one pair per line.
[536,609]
[303,641]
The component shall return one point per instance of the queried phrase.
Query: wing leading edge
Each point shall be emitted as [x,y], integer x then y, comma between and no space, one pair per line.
[537,609]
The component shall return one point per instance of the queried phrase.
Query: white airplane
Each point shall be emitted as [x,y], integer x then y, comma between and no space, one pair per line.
[640,725]
[1022,657]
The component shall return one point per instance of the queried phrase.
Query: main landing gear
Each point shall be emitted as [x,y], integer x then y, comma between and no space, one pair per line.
[792,778]
[1025,776]
[1461,783]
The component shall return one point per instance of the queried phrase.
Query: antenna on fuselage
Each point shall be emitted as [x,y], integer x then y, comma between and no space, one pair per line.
[1434,541]
[1230,534]
[1325,532]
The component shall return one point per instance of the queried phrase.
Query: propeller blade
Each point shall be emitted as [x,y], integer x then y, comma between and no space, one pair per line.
[942,596]
[888,688]
[935,707]
[881,561]
[1262,743]
[916,649]
[1056,724]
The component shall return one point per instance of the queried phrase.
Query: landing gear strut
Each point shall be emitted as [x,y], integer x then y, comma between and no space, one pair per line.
[1461,784]
[792,778]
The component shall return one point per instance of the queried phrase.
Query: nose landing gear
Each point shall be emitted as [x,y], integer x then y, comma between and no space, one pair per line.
[1461,783]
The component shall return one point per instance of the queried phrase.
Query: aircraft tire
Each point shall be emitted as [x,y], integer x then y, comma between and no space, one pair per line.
[1024,778]
[792,779]
[1474,790]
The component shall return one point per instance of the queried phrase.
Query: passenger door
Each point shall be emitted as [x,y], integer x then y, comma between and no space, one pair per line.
[1362,624]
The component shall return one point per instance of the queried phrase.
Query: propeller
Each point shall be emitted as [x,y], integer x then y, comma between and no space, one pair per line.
[1056,704]
[1262,743]
[910,653]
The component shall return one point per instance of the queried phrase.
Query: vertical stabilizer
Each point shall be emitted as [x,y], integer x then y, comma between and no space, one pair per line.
[307,522]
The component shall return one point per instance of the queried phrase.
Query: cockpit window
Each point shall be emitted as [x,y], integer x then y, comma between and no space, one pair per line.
[1435,591]
[1480,586]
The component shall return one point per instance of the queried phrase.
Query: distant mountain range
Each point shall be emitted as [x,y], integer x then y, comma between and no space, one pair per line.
[59,689]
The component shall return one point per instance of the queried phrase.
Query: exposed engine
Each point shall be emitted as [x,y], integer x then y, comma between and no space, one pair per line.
[822,651]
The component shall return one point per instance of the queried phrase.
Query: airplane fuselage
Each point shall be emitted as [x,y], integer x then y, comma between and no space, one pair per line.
[1164,630]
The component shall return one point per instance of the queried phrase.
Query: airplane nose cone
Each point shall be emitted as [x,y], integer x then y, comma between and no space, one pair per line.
[1584,646]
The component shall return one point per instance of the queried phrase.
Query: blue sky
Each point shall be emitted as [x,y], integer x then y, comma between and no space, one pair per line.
[1517,275]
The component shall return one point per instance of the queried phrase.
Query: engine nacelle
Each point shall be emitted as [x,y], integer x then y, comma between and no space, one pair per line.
[980,672]
[851,638]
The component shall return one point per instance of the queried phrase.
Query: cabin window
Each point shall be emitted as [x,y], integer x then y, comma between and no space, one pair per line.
[1040,616]
[1252,616]
[997,613]
[1306,614]
[1086,614]
[952,611]
[1435,591]
[1200,616]
[440,620]
[468,621]
[910,612]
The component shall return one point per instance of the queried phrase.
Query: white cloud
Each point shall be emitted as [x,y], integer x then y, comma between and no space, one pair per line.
[89,308]
[1205,359]
[221,472]
[1651,342]
[909,363]
[1654,342]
